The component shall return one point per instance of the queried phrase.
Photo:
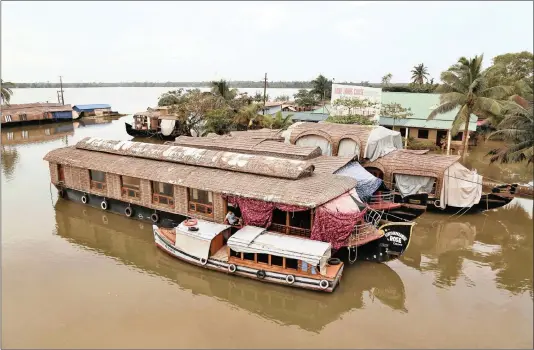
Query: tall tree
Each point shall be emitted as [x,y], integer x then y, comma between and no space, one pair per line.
[514,67]
[517,130]
[305,98]
[396,111]
[7,92]
[222,88]
[322,87]
[386,79]
[465,86]
[419,74]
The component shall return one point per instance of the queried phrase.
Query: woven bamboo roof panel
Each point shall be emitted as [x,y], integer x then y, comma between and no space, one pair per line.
[264,134]
[334,133]
[406,162]
[250,146]
[232,161]
[309,192]
[329,164]
[34,108]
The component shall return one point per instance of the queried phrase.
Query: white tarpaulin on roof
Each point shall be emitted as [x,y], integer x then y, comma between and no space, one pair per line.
[461,187]
[348,148]
[167,126]
[197,243]
[252,239]
[413,184]
[316,141]
[381,142]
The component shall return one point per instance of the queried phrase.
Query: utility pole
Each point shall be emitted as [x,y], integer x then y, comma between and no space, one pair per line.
[61,90]
[264,93]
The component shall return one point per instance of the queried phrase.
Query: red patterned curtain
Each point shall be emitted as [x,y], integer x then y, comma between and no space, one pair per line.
[334,227]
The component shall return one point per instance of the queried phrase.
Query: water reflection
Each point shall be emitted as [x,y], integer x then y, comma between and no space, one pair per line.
[131,243]
[36,133]
[10,158]
[500,239]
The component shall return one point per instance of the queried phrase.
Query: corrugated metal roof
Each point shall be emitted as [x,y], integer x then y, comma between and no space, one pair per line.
[421,105]
[306,116]
[90,107]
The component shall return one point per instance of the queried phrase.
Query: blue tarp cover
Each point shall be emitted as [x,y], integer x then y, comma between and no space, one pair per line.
[367,183]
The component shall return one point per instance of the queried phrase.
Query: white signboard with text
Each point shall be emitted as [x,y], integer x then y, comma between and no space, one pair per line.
[374,95]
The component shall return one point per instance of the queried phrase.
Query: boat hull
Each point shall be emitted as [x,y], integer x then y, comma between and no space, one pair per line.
[488,201]
[165,219]
[147,133]
[245,271]
[35,122]
[393,243]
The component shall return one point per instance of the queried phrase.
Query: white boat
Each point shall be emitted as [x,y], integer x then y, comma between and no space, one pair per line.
[253,252]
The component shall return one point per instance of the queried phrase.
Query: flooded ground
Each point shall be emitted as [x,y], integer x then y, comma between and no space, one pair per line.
[75,277]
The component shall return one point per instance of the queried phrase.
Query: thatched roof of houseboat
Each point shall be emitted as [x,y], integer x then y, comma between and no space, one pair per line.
[34,108]
[329,164]
[332,132]
[250,146]
[310,191]
[414,163]
[233,161]
[264,134]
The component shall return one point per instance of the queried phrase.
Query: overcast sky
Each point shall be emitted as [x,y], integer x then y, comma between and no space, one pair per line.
[194,41]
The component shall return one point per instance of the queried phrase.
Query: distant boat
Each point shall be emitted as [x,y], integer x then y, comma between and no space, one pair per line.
[93,110]
[35,113]
[154,123]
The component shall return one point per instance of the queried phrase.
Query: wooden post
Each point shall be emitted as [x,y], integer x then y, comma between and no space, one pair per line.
[406,137]
[264,93]
[287,222]
[448,142]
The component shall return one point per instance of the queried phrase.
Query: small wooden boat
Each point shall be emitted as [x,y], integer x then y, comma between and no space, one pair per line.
[154,123]
[253,252]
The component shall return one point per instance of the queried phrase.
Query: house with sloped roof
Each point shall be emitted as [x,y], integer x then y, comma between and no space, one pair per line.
[417,126]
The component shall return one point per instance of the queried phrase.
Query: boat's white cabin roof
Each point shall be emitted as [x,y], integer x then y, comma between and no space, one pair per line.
[251,239]
[207,230]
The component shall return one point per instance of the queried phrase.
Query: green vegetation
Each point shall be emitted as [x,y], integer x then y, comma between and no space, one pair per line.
[6,91]
[350,119]
[419,74]
[517,129]
[305,98]
[466,85]
[396,111]
[417,144]
[386,79]
[322,88]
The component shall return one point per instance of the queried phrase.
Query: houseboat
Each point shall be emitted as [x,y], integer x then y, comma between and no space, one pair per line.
[156,123]
[414,177]
[166,184]
[94,110]
[253,252]
[34,113]
[370,189]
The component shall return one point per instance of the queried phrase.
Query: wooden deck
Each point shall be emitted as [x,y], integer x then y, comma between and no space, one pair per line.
[221,255]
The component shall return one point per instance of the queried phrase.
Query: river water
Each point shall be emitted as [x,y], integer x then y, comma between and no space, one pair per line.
[74,277]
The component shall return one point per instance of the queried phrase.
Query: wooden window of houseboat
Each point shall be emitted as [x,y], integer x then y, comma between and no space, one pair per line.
[292,223]
[292,263]
[201,201]
[249,256]
[61,172]
[163,193]
[277,261]
[262,258]
[23,117]
[131,187]
[7,118]
[98,180]
[235,254]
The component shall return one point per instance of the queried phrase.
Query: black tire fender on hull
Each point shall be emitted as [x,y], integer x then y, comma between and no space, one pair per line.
[165,219]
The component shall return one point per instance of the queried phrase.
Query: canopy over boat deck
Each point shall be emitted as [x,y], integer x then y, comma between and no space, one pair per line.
[360,141]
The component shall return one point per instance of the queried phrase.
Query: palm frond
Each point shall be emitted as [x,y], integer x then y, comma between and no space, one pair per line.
[442,109]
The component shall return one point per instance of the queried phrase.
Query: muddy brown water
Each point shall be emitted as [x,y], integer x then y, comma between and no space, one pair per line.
[75,277]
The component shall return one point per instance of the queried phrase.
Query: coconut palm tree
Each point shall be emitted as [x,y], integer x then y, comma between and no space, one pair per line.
[419,74]
[277,121]
[322,87]
[222,88]
[6,92]
[465,86]
[386,79]
[517,129]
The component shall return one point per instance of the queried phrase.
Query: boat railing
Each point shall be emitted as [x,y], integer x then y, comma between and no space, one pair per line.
[290,230]
[380,197]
